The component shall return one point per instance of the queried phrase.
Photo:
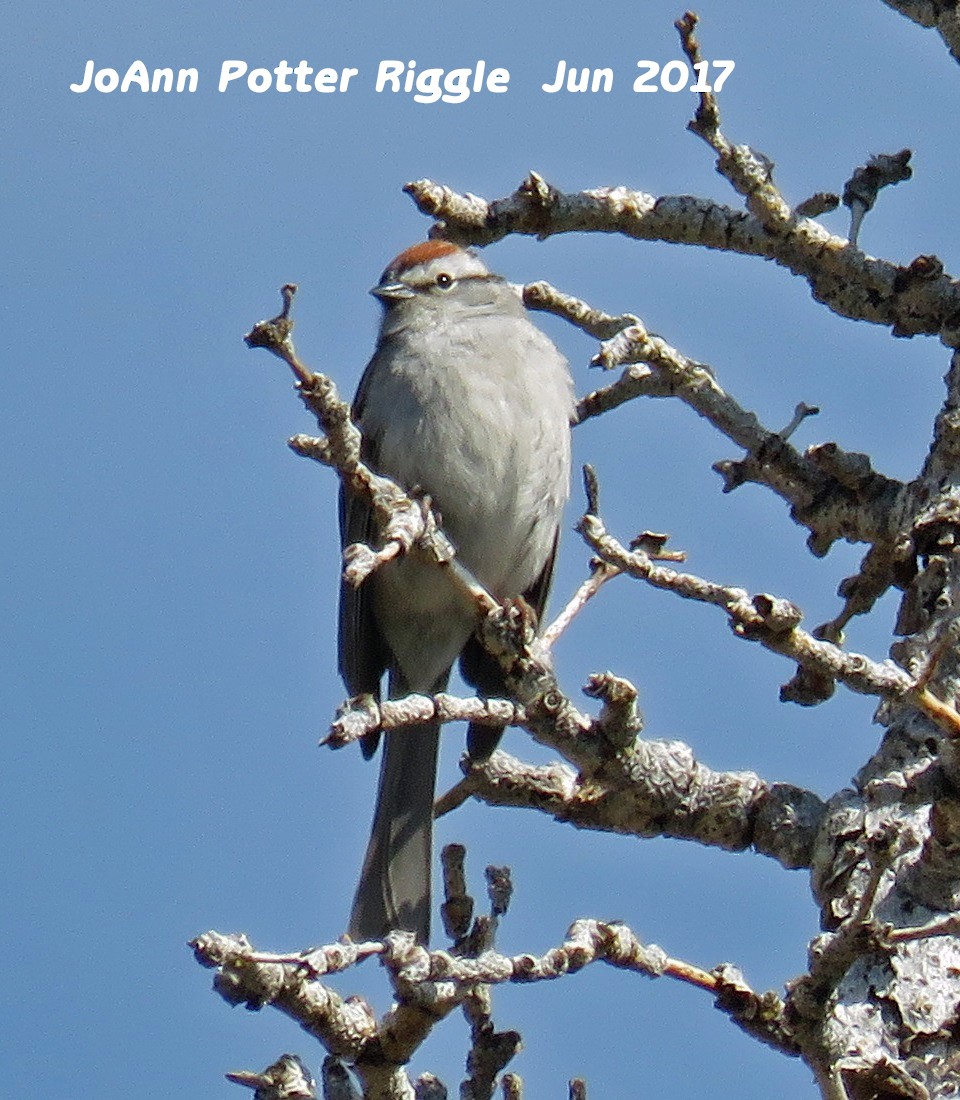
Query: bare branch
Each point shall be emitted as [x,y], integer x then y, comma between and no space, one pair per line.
[774,623]
[848,281]
[346,1028]
[429,1087]
[596,323]
[749,173]
[658,788]
[491,1051]
[512,1087]
[761,618]
[457,908]
[667,372]
[943,459]
[940,926]
[287,1079]
[366,715]
[342,1027]
[831,492]
[437,980]
[640,787]
[599,575]
[620,720]
[861,190]
[933,13]
[886,563]
[626,785]
[820,203]
[878,571]
[876,951]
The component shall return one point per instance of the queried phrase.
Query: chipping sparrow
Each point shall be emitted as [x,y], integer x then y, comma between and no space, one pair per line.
[466,400]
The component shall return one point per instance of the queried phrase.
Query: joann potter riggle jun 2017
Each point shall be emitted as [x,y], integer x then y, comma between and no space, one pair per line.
[423,85]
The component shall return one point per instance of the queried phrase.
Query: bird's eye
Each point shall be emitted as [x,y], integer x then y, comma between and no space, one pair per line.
[444,280]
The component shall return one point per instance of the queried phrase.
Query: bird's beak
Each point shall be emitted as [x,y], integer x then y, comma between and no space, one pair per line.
[388,292]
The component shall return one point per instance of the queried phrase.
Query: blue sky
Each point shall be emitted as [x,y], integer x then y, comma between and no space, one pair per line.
[171,568]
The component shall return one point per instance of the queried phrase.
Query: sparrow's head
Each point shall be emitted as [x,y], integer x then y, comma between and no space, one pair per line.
[437,269]
[437,285]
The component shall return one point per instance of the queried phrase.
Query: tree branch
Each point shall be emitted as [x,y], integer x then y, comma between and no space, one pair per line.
[365,715]
[430,983]
[773,622]
[287,1079]
[910,300]
[933,13]
[658,789]
[748,172]
[834,493]
[831,492]
[943,459]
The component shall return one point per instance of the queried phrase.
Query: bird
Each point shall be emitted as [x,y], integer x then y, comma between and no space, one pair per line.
[465,401]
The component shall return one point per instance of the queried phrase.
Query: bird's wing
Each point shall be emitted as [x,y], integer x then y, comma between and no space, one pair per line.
[536,595]
[484,673]
[362,651]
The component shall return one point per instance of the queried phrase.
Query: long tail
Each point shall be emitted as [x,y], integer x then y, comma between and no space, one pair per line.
[394,888]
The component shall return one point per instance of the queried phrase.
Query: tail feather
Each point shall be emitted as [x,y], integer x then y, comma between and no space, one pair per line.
[394,888]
